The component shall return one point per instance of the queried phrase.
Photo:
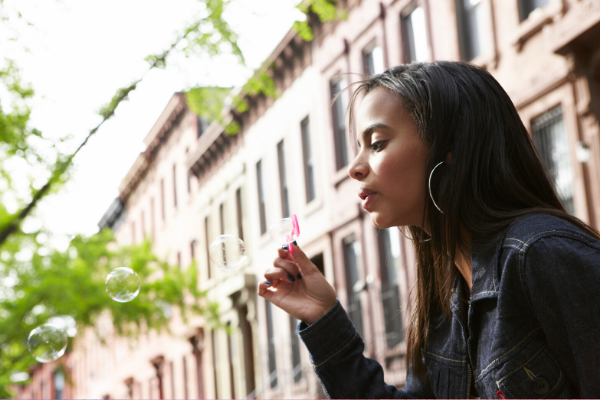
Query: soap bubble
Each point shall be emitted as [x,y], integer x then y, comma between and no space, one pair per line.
[123,284]
[47,343]
[228,252]
[281,230]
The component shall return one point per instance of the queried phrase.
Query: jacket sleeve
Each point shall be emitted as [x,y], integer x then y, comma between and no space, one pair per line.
[336,352]
[562,281]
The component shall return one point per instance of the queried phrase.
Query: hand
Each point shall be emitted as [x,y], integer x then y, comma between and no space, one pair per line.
[297,287]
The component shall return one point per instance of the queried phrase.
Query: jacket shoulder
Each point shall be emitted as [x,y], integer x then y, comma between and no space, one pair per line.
[529,229]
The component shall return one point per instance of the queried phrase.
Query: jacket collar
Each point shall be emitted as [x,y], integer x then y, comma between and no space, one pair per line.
[484,270]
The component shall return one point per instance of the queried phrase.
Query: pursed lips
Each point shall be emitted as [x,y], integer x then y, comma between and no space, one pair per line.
[366,195]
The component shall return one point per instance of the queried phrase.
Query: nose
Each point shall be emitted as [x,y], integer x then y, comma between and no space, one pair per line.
[358,168]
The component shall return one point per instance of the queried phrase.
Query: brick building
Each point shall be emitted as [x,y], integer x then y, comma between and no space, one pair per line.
[194,182]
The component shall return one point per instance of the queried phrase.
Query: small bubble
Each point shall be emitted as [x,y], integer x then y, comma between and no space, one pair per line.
[282,230]
[123,284]
[47,343]
[228,252]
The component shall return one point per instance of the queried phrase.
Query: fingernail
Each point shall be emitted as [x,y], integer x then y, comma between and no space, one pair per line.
[285,247]
[267,282]
[299,276]
[291,278]
[295,243]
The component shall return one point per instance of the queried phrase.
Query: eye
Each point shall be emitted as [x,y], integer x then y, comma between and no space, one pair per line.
[377,145]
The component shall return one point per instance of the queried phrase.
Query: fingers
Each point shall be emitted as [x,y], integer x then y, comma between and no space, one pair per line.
[299,257]
[277,275]
[289,266]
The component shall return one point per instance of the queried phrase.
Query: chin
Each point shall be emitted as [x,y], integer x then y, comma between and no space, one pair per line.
[380,222]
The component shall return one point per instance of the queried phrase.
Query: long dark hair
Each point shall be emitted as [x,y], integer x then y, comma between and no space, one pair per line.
[494,178]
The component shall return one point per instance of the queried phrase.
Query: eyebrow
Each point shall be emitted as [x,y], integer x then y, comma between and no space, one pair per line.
[369,130]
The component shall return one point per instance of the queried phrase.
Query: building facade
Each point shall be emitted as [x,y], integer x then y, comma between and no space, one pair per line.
[194,183]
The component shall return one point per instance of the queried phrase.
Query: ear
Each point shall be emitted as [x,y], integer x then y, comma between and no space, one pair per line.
[449,158]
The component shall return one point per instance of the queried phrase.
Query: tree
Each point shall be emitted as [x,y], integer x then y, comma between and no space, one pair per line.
[38,282]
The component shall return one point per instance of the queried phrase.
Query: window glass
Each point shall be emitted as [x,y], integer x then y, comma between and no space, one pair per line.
[415,30]
[284,191]
[526,7]
[353,264]
[339,126]
[389,256]
[373,60]
[550,138]
[261,197]
[309,178]
[474,28]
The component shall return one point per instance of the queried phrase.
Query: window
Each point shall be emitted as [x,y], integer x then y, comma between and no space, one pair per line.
[193,249]
[238,202]
[339,127]
[353,264]
[373,59]
[203,125]
[222,218]
[309,168]
[59,384]
[172,373]
[261,198]
[130,383]
[159,364]
[319,262]
[207,242]
[213,340]
[185,378]
[152,220]
[389,257]
[296,362]
[285,206]
[197,348]
[231,356]
[414,30]
[143,223]
[174,186]
[550,139]
[473,28]
[162,199]
[526,7]
[271,346]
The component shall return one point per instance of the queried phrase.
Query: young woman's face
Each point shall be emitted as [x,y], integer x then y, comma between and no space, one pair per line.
[390,165]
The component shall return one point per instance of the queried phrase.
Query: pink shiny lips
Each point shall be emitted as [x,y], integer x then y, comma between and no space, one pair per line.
[366,196]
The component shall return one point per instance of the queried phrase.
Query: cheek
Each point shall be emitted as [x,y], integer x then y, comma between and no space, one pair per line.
[402,176]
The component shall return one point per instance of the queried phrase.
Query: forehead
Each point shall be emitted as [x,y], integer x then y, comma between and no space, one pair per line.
[380,105]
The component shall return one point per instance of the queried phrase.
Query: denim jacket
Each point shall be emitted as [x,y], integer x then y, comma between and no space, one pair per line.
[531,328]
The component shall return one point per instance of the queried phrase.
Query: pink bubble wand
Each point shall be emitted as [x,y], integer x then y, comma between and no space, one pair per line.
[295,232]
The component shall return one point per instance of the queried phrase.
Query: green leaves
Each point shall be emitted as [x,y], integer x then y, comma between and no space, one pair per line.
[207,102]
[325,10]
[37,283]
[108,110]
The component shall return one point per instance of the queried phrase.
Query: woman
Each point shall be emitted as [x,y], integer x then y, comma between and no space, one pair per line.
[506,301]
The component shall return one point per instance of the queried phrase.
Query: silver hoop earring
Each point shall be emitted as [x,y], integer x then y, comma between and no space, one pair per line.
[418,241]
[430,195]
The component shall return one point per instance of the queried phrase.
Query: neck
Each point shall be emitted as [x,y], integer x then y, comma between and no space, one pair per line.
[463,259]
[463,263]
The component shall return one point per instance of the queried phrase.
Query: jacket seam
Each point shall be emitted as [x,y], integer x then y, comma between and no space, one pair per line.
[444,358]
[505,354]
[559,369]
[337,352]
[524,364]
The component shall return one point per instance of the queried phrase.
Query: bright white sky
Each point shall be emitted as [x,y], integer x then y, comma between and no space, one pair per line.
[82,51]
